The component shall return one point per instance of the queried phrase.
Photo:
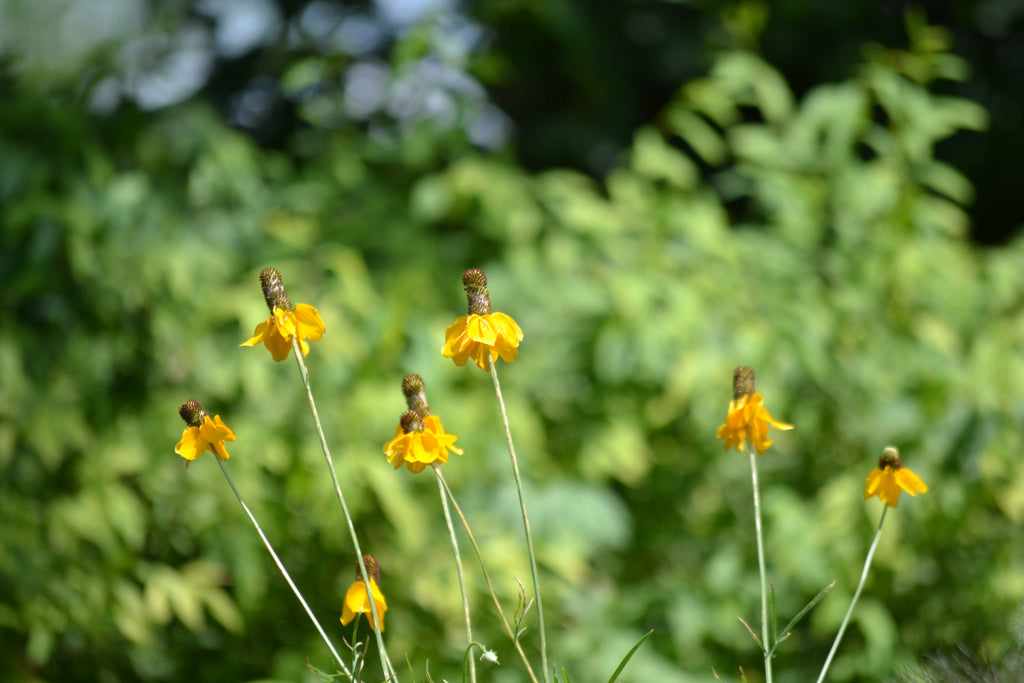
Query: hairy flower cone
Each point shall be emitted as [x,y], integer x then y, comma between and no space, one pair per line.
[202,434]
[415,391]
[890,478]
[747,416]
[481,333]
[286,321]
[356,601]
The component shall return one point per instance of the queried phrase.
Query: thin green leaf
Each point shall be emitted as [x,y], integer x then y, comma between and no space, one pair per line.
[629,655]
[800,615]
[752,634]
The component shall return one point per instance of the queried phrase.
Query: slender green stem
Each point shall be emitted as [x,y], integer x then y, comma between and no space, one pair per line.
[284,572]
[526,521]
[487,580]
[765,644]
[856,595]
[458,569]
[385,661]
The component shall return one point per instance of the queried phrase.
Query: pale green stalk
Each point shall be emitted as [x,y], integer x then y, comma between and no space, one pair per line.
[526,521]
[487,580]
[385,662]
[766,646]
[856,595]
[284,572]
[458,569]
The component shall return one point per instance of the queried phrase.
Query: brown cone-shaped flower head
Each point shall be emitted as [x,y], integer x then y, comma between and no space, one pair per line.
[192,412]
[477,297]
[743,382]
[273,290]
[890,459]
[411,421]
[372,568]
[415,391]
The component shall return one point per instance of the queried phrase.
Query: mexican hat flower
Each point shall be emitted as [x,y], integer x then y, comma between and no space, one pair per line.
[286,320]
[747,417]
[890,478]
[482,334]
[356,601]
[420,439]
[203,433]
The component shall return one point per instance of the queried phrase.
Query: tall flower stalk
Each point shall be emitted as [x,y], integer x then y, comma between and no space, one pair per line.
[286,330]
[458,569]
[420,440]
[746,428]
[197,418]
[885,481]
[483,335]
[526,522]
[385,661]
[512,634]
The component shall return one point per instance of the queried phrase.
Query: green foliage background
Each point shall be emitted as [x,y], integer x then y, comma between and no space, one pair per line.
[815,238]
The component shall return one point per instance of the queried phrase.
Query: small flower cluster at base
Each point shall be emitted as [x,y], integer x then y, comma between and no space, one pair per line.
[747,417]
[202,434]
[356,601]
[286,320]
[890,477]
[481,333]
[420,439]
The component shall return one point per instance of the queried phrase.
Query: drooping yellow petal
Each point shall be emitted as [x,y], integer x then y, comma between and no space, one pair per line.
[356,602]
[747,418]
[258,335]
[191,445]
[887,483]
[480,330]
[277,333]
[308,322]
[483,338]
[910,482]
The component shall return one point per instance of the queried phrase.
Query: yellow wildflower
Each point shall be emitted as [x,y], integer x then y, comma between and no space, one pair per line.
[420,441]
[481,333]
[286,321]
[747,417]
[356,601]
[890,477]
[202,434]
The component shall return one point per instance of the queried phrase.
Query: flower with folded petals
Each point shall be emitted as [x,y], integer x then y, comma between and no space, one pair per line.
[356,601]
[482,333]
[202,434]
[890,478]
[420,441]
[747,417]
[286,321]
